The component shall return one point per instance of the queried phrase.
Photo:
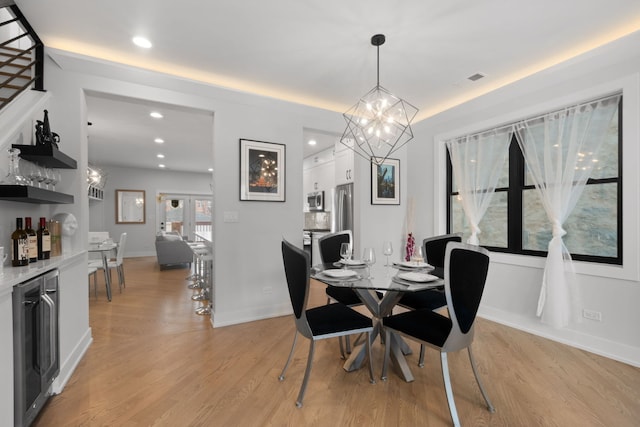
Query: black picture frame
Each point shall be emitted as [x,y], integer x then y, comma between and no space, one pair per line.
[262,171]
[385,182]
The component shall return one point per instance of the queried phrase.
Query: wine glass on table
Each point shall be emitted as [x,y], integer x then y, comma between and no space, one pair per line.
[369,258]
[345,253]
[417,255]
[387,250]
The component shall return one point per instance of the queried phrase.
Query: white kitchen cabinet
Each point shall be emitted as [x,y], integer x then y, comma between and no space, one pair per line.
[344,164]
[322,177]
[318,172]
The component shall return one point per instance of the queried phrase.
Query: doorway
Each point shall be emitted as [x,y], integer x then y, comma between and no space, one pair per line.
[190,215]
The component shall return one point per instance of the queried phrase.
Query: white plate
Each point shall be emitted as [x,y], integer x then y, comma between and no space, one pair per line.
[417,277]
[411,264]
[339,273]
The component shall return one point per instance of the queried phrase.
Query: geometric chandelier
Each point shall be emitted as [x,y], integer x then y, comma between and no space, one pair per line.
[380,122]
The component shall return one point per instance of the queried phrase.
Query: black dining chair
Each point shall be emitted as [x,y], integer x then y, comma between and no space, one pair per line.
[465,274]
[327,321]
[329,248]
[433,249]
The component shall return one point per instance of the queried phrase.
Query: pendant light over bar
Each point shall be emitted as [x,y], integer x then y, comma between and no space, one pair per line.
[380,122]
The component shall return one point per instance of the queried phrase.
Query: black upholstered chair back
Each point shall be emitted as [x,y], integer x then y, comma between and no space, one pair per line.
[329,245]
[434,248]
[466,274]
[296,269]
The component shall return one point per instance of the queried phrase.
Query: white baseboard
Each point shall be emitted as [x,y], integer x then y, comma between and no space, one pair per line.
[610,349]
[219,320]
[69,366]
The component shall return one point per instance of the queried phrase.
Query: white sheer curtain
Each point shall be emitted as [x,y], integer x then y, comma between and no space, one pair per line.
[560,150]
[477,162]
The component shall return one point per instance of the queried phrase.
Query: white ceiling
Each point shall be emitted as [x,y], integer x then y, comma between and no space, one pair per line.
[319,53]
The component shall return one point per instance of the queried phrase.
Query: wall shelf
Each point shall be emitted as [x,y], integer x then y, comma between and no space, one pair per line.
[28,194]
[46,155]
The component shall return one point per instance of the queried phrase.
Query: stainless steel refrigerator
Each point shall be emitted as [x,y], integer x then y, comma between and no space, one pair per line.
[342,212]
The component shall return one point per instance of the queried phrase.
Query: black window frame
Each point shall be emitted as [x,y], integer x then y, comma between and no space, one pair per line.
[515,196]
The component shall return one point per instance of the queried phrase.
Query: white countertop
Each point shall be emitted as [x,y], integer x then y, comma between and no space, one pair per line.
[12,276]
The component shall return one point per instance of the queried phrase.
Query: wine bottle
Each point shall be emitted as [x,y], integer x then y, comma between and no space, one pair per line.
[19,246]
[33,240]
[44,240]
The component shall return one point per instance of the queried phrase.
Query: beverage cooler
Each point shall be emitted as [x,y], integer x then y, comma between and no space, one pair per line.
[35,344]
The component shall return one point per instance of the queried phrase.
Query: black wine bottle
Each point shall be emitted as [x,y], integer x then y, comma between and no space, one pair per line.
[32,238]
[44,240]
[19,246]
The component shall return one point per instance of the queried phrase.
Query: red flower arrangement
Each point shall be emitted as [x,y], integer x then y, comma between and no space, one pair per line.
[410,247]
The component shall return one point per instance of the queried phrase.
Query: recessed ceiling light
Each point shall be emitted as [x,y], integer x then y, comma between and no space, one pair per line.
[142,42]
[312,142]
[161,165]
[155,115]
[160,156]
[159,141]
[210,169]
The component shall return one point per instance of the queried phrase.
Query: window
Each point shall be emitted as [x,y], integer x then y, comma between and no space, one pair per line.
[516,222]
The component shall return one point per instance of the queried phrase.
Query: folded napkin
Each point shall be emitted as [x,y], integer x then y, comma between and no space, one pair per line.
[412,276]
[339,273]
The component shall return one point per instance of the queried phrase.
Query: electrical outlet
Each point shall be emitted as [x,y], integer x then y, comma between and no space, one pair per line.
[592,315]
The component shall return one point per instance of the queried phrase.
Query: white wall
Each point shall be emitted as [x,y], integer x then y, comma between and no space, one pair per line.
[241,294]
[514,282]
[141,237]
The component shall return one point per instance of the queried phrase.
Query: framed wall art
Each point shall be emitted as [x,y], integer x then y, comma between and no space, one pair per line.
[385,183]
[262,171]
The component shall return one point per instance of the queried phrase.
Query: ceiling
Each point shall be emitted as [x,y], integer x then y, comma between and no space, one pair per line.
[319,53]
[123,133]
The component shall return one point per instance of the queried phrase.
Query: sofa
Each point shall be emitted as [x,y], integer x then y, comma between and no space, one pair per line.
[172,250]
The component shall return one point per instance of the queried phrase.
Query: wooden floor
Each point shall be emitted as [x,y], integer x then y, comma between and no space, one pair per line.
[153,362]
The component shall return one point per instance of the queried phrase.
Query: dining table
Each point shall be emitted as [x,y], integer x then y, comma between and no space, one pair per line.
[392,281]
[104,248]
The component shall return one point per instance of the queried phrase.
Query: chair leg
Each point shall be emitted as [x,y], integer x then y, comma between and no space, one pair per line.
[387,353]
[421,360]
[342,355]
[371,379]
[347,343]
[448,389]
[482,390]
[95,284]
[293,347]
[307,371]
[124,284]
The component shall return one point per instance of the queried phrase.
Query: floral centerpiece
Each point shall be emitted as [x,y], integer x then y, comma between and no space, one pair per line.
[410,247]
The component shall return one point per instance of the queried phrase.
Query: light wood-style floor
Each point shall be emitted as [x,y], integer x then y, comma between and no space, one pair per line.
[154,362]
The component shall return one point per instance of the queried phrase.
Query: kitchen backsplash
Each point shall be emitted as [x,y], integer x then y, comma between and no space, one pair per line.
[317,220]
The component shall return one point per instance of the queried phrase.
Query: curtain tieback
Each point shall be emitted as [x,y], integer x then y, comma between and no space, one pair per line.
[558,231]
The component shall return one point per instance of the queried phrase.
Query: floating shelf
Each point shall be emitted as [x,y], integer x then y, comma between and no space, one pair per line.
[46,155]
[28,194]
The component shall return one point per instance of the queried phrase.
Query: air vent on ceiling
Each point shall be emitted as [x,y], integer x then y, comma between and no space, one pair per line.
[475,77]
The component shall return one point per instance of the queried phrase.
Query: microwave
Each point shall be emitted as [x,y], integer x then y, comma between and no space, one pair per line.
[316,201]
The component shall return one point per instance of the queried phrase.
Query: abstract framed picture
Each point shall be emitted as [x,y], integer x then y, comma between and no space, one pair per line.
[385,183]
[262,171]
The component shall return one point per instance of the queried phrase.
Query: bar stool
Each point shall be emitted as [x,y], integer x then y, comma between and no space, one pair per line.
[203,260]
[207,291]
[197,276]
